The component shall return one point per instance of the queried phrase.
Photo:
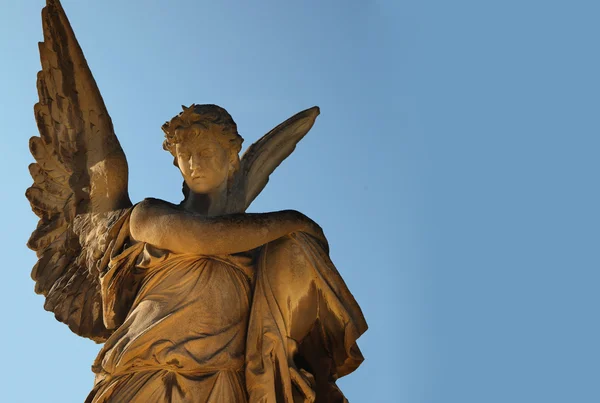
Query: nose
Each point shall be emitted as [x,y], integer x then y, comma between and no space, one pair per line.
[196,164]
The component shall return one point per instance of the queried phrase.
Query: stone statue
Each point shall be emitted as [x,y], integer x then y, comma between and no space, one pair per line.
[196,302]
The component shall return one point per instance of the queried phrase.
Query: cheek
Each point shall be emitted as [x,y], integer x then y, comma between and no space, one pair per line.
[223,160]
[183,165]
[220,166]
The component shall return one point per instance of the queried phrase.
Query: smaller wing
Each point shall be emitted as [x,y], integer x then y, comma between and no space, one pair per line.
[263,157]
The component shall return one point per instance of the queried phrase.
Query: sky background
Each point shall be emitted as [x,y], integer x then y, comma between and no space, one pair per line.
[454,169]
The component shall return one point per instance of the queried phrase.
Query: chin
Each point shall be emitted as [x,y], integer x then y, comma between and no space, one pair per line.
[203,188]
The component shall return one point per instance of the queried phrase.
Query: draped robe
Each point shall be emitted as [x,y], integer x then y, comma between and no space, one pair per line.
[276,324]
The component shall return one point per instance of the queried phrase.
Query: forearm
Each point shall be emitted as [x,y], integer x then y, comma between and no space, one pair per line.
[226,234]
[189,233]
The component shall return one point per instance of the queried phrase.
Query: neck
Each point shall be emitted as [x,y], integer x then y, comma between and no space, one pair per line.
[209,204]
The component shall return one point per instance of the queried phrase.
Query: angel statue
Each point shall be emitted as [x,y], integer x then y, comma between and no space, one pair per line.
[195,302]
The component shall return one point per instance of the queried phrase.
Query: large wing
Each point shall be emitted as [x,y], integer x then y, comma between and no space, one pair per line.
[80,180]
[261,158]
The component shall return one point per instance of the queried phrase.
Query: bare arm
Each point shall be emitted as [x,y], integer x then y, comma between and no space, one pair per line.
[179,231]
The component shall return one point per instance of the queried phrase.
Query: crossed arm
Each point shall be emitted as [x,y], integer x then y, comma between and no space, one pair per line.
[168,227]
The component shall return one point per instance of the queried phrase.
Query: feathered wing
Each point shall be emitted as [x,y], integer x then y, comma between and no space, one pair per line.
[263,157]
[80,180]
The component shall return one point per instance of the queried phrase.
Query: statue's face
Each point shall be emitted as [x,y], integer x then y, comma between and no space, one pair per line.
[203,161]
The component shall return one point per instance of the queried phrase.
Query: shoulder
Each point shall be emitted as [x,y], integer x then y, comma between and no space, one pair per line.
[145,213]
[150,203]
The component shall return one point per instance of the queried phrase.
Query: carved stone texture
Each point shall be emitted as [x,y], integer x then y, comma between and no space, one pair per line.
[195,302]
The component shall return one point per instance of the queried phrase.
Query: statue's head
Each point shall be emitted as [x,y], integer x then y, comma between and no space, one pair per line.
[205,145]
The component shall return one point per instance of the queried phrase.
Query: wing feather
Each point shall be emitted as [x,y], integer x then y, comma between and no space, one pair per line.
[80,180]
[47,231]
[47,270]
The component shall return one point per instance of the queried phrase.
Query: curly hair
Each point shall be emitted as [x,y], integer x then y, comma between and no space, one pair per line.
[203,116]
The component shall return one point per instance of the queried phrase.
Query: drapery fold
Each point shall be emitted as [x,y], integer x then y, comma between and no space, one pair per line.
[299,293]
[274,325]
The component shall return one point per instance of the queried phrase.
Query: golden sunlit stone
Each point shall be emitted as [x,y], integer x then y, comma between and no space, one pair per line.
[196,302]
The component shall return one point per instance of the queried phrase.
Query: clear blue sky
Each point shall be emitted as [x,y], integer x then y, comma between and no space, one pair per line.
[454,168]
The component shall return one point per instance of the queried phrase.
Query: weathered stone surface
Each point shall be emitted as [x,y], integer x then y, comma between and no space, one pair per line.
[196,302]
